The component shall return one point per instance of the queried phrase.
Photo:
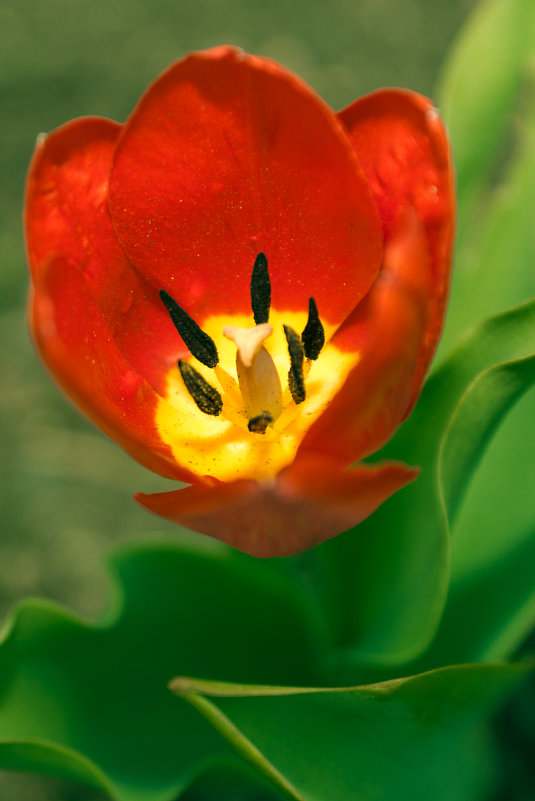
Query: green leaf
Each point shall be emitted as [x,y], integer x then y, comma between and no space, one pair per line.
[498,513]
[231,782]
[413,738]
[486,401]
[90,702]
[491,602]
[385,583]
[489,613]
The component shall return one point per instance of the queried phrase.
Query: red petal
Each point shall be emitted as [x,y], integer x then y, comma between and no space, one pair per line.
[388,328]
[225,156]
[66,196]
[75,343]
[309,503]
[67,214]
[403,148]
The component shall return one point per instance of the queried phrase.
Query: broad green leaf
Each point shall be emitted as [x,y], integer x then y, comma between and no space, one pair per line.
[498,513]
[486,401]
[414,738]
[231,782]
[89,702]
[491,602]
[490,612]
[385,583]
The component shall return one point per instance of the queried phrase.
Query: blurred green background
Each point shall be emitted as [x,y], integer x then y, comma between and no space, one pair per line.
[66,491]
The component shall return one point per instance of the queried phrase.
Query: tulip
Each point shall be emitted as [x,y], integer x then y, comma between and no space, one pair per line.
[245,289]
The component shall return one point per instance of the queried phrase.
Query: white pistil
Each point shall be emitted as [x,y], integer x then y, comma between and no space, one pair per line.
[248,341]
[257,375]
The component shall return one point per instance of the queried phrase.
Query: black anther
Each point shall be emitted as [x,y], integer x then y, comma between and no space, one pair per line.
[205,396]
[200,344]
[260,290]
[296,379]
[313,335]
[259,423]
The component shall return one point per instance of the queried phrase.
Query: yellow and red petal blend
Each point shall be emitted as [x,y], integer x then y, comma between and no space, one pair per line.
[245,289]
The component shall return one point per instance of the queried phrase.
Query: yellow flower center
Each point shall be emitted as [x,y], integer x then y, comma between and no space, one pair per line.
[241,407]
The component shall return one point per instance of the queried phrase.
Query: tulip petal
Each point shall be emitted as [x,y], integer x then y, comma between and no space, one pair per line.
[66,196]
[388,328]
[403,148]
[74,342]
[404,151]
[67,214]
[307,503]
[228,155]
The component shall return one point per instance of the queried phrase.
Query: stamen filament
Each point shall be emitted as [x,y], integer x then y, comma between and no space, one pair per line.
[233,415]
[228,384]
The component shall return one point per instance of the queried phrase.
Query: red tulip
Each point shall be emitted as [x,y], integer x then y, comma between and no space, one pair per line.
[245,289]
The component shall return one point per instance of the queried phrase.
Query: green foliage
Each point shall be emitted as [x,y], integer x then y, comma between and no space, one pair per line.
[415,738]
[91,702]
[385,582]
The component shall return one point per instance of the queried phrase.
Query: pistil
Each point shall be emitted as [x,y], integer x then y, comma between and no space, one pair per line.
[248,341]
[258,378]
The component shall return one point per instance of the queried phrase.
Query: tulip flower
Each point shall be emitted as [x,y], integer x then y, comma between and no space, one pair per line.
[245,289]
